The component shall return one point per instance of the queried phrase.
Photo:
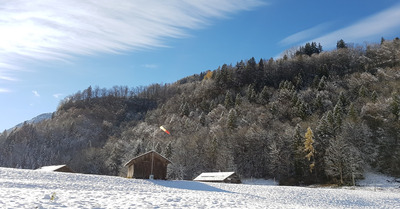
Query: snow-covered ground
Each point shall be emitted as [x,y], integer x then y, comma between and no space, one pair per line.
[39,189]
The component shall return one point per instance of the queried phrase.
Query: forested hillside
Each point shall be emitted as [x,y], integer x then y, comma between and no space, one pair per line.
[312,116]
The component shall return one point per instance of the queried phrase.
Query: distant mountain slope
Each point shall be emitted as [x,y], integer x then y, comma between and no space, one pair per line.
[36,119]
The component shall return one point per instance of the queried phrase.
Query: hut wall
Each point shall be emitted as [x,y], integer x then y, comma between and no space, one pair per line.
[142,168]
[130,171]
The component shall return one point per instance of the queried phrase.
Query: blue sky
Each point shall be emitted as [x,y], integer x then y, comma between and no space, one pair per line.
[52,49]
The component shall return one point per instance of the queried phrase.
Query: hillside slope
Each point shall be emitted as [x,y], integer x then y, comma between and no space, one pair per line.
[251,118]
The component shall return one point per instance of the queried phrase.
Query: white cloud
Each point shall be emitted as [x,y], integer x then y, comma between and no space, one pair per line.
[303,35]
[7,78]
[385,22]
[59,30]
[150,66]
[372,27]
[57,96]
[36,93]
[3,90]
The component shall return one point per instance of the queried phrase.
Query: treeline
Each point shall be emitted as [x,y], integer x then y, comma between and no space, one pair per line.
[307,118]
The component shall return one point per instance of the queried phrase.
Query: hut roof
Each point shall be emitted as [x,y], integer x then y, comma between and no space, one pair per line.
[213,176]
[63,168]
[138,158]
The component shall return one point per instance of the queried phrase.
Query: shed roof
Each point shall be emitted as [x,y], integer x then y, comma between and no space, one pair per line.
[133,160]
[53,168]
[213,176]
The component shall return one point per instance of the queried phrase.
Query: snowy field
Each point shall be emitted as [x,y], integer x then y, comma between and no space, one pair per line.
[39,189]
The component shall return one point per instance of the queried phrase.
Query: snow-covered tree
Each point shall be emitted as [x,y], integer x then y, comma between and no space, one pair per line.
[309,148]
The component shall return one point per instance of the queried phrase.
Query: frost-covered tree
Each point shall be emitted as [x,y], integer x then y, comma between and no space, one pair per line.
[309,148]
[342,161]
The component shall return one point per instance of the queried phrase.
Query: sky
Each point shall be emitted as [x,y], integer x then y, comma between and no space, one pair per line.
[52,49]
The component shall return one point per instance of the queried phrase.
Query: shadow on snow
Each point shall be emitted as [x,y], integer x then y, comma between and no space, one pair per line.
[189,185]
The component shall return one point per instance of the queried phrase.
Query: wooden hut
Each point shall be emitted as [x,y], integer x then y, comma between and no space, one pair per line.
[225,177]
[148,165]
[57,168]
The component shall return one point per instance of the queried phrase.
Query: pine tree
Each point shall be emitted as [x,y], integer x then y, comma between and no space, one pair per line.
[231,123]
[352,114]
[228,103]
[251,94]
[395,106]
[342,160]
[168,150]
[184,109]
[374,96]
[362,92]
[335,158]
[263,96]
[298,149]
[338,116]
[341,44]
[322,83]
[202,119]
[238,100]
[342,100]
[309,148]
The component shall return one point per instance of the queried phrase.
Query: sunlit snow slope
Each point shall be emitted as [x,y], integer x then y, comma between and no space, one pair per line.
[39,189]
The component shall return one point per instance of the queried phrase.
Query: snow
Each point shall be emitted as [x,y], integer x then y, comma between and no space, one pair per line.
[214,176]
[252,181]
[51,168]
[37,189]
[376,181]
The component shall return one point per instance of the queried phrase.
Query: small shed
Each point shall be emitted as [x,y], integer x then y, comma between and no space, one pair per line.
[225,177]
[149,163]
[57,168]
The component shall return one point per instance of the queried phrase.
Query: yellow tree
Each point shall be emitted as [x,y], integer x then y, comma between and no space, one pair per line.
[309,148]
[208,75]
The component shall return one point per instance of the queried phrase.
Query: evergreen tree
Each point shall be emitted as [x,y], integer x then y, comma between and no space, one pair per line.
[322,83]
[231,123]
[395,106]
[342,161]
[202,119]
[263,96]
[362,92]
[341,44]
[261,66]
[335,158]
[238,100]
[251,94]
[228,103]
[338,113]
[342,100]
[168,151]
[352,114]
[374,96]
[298,150]
[184,109]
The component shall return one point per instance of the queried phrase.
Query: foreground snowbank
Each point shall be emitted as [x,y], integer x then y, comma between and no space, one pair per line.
[38,189]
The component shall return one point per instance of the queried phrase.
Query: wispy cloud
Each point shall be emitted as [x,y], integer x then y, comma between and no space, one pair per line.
[303,35]
[59,30]
[7,78]
[57,96]
[385,22]
[374,26]
[150,66]
[2,90]
[35,93]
